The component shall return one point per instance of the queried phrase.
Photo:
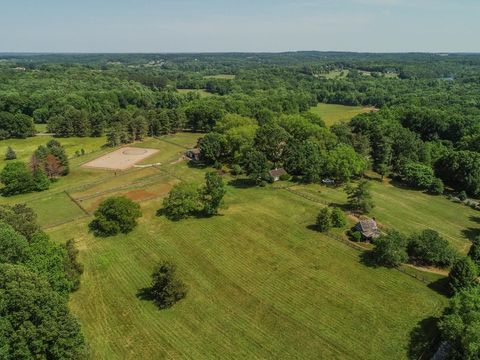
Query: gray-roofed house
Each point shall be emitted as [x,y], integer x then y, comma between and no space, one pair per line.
[276,173]
[368,228]
[193,154]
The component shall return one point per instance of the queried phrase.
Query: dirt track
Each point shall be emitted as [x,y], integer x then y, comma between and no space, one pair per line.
[121,159]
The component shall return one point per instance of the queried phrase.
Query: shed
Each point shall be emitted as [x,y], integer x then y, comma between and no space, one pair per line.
[193,154]
[368,228]
[276,173]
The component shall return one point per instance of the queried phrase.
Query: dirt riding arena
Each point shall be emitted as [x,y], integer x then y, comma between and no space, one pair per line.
[121,159]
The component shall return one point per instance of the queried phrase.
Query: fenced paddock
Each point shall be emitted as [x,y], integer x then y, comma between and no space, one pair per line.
[121,159]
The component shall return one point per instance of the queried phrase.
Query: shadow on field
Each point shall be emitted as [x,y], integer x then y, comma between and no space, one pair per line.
[475,219]
[440,286]
[196,165]
[145,294]
[344,207]
[242,183]
[424,339]
[367,259]
[471,233]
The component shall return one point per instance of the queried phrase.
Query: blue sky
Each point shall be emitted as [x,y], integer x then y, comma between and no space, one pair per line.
[241,25]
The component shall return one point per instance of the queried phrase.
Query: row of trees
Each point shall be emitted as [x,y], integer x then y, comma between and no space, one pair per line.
[36,277]
[46,164]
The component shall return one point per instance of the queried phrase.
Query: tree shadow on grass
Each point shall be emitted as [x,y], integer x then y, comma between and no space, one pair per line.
[145,294]
[196,165]
[367,258]
[424,339]
[440,286]
[344,207]
[313,227]
[471,233]
[242,183]
[475,219]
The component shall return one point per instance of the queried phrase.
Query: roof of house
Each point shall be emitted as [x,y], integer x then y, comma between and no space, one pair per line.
[277,172]
[368,228]
[194,151]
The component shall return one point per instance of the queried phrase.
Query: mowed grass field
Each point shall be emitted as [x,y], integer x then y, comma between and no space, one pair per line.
[262,284]
[333,114]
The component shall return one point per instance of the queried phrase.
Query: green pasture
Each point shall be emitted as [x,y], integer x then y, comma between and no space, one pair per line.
[332,113]
[262,283]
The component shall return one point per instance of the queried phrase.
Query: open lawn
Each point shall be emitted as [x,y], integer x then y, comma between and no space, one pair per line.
[220,77]
[262,283]
[201,92]
[333,114]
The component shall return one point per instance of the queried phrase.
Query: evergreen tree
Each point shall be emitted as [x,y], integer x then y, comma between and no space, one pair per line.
[10,154]
[462,275]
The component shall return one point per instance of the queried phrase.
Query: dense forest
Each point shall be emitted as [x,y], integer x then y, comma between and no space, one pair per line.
[255,109]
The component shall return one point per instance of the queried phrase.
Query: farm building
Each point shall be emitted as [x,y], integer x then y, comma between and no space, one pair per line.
[276,173]
[368,228]
[193,154]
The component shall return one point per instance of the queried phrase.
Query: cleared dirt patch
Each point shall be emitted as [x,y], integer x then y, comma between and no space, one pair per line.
[121,159]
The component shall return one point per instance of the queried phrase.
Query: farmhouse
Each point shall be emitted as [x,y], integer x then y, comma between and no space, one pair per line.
[368,228]
[193,154]
[276,173]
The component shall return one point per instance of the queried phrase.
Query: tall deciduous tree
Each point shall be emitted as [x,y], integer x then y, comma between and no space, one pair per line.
[212,193]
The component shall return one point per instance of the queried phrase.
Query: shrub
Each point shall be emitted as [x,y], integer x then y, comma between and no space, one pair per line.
[237,170]
[73,268]
[285,177]
[355,235]
[339,220]
[10,154]
[115,215]
[437,187]
[390,250]
[166,288]
[324,220]
[429,248]
[462,196]
[462,275]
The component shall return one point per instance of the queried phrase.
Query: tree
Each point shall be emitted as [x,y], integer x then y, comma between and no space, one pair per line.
[359,198]
[255,164]
[271,139]
[182,201]
[36,322]
[53,167]
[10,154]
[73,268]
[56,149]
[212,148]
[418,175]
[22,218]
[474,252]
[16,179]
[166,288]
[462,275]
[40,180]
[115,215]
[324,220]
[339,219]
[13,246]
[212,193]
[343,163]
[429,248]
[390,250]
[460,325]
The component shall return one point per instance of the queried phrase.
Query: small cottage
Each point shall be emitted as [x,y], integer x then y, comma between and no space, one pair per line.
[368,228]
[193,154]
[276,173]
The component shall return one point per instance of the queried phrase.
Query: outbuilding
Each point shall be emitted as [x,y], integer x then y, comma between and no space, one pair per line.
[277,173]
[368,228]
[193,154]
